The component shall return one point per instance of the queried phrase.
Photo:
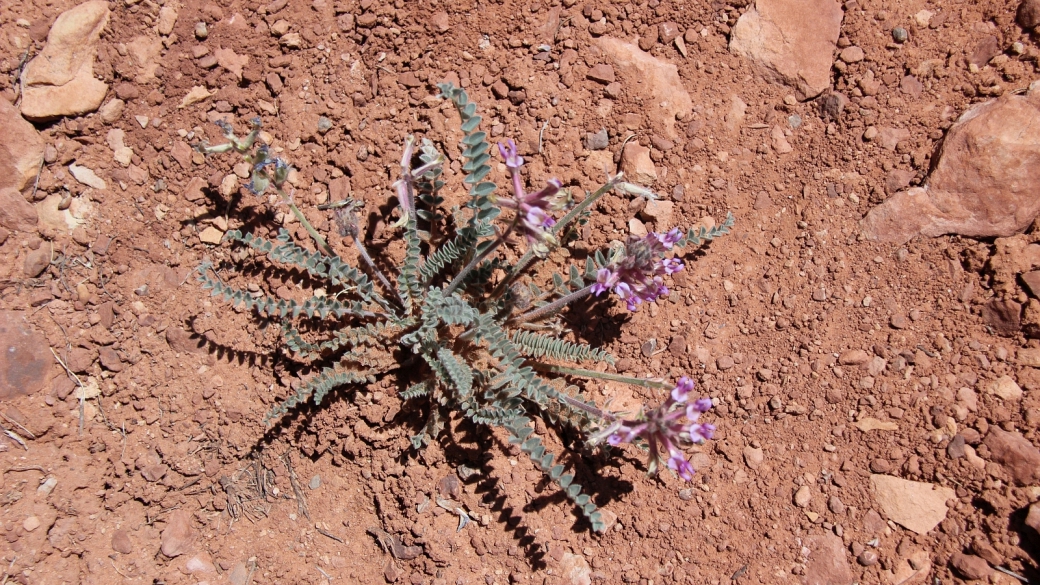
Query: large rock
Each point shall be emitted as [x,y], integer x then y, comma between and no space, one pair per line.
[791,42]
[26,363]
[60,80]
[914,505]
[1016,454]
[21,150]
[985,183]
[668,99]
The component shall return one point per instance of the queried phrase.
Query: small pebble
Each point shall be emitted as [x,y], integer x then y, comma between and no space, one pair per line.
[899,34]
[867,558]
[803,496]
[315,482]
[794,120]
[201,31]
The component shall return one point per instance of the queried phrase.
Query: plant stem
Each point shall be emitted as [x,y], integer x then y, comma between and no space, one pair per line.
[318,240]
[554,306]
[569,217]
[593,410]
[363,252]
[461,276]
[598,375]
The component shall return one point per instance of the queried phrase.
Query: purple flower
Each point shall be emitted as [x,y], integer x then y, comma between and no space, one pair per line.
[513,159]
[606,279]
[635,275]
[533,219]
[663,430]
[682,390]
[680,465]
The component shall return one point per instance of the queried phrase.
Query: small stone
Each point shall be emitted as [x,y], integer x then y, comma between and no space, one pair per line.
[660,212]
[1033,518]
[167,19]
[575,570]
[201,31]
[852,54]
[1006,389]
[31,523]
[970,566]
[1028,15]
[803,496]
[668,32]
[917,506]
[753,457]
[315,482]
[602,73]
[229,185]
[178,536]
[239,574]
[154,472]
[597,140]
[898,322]
[121,542]
[110,359]
[835,505]
[636,163]
[955,449]
[211,235]
[899,34]
[37,261]
[853,357]
[88,177]
[867,558]
[826,562]
[1016,454]
[47,486]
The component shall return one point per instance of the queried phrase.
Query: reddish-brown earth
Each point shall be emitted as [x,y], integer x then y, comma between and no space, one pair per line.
[832,357]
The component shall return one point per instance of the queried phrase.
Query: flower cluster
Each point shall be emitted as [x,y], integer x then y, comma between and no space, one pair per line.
[635,274]
[533,219]
[663,431]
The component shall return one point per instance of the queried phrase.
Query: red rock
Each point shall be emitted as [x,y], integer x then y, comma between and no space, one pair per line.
[668,31]
[826,563]
[154,473]
[16,214]
[790,43]
[121,542]
[1033,518]
[110,359]
[181,153]
[21,152]
[60,80]
[666,97]
[183,342]
[637,165]
[1005,317]
[987,48]
[970,566]
[1029,14]
[37,261]
[602,73]
[1016,454]
[1032,281]
[26,363]
[984,183]
[178,536]
[409,80]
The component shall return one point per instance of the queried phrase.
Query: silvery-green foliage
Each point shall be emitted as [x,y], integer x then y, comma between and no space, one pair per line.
[450,314]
